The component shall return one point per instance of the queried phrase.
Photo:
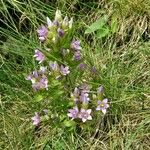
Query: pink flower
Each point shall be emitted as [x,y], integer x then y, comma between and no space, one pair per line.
[102,105]
[39,56]
[42,32]
[64,70]
[85,114]
[75,45]
[36,119]
[73,113]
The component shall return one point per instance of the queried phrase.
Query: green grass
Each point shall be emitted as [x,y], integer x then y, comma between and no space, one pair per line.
[121,59]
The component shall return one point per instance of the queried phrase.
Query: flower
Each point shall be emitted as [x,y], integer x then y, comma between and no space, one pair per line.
[75,45]
[53,66]
[100,90]
[40,83]
[84,97]
[42,69]
[64,70]
[60,32]
[39,56]
[58,15]
[42,32]
[85,114]
[49,22]
[65,22]
[77,55]
[36,119]
[70,23]
[103,105]
[82,66]
[73,113]
[84,88]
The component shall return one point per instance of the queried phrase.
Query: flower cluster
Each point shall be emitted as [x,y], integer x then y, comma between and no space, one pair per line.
[59,56]
[81,100]
[54,29]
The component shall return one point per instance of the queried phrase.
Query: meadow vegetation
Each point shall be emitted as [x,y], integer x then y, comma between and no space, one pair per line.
[115,36]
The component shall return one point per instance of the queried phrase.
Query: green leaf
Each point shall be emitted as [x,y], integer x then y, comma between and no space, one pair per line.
[114,25]
[69,123]
[97,25]
[102,32]
[38,98]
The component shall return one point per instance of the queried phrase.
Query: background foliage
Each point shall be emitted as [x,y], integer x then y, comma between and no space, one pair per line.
[119,49]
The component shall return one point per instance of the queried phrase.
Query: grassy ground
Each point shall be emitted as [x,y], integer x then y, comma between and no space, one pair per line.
[121,58]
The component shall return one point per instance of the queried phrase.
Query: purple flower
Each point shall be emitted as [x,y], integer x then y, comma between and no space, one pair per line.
[76,92]
[54,66]
[40,83]
[73,113]
[82,66]
[60,32]
[84,88]
[42,32]
[84,97]
[103,105]
[42,69]
[36,119]
[75,45]
[85,114]
[100,90]
[77,56]
[39,56]
[64,70]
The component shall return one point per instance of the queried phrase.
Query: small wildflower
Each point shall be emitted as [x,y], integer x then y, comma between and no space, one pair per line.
[60,32]
[49,22]
[103,105]
[84,88]
[85,114]
[58,15]
[65,22]
[75,45]
[77,56]
[73,113]
[53,66]
[70,23]
[42,32]
[84,97]
[64,70]
[39,56]
[36,119]
[42,69]
[100,90]
[82,66]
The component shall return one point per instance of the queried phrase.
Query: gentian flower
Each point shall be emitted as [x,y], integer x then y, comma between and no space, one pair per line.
[58,15]
[77,55]
[60,32]
[75,45]
[65,23]
[82,66]
[53,66]
[73,113]
[84,97]
[84,88]
[70,23]
[36,119]
[42,32]
[85,114]
[42,69]
[49,22]
[64,70]
[39,56]
[100,90]
[103,105]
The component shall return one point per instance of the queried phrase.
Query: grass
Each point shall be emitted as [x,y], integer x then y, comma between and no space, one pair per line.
[121,59]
